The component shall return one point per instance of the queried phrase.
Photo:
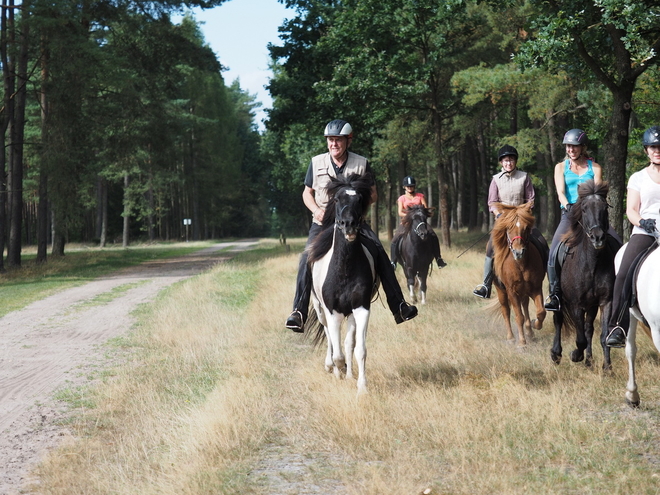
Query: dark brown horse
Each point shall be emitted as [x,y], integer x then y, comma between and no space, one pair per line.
[416,249]
[519,270]
[587,274]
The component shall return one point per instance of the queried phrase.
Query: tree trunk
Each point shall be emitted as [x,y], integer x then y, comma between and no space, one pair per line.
[127,212]
[17,134]
[103,236]
[615,151]
[42,208]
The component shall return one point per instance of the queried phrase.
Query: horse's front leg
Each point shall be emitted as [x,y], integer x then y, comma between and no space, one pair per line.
[349,344]
[334,337]
[329,364]
[410,279]
[503,297]
[516,304]
[422,284]
[589,334]
[580,337]
[555,352]
[632,396]
[361,323]
[527,322]
[540,311]
[605,312]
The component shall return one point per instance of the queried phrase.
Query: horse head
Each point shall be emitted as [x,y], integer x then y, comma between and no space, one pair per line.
[589,215]
[351,197]
[416,220]
[514,225]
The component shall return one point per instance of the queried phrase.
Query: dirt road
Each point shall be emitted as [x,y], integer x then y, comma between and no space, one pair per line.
[55,342]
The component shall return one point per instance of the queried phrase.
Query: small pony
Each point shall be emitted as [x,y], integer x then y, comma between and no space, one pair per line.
[587,275]
[519,270]
[646,310]
[416,250]
[343,277]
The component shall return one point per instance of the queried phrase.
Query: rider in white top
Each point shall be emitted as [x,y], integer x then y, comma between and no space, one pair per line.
[643,211]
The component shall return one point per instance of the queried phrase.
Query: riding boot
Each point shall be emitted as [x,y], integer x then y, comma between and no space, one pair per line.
[553,301]
[297,318]
[435,243]
[483,290]
[401,310]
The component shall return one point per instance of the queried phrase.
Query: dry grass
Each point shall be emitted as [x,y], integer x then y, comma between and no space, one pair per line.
[220,398]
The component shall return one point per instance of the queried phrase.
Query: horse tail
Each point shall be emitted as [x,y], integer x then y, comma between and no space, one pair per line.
[314,330]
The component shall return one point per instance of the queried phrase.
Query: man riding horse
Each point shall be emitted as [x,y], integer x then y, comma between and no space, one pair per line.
[511,187]
[341,162]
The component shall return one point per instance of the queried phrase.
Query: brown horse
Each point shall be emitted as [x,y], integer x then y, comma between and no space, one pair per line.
[519,270]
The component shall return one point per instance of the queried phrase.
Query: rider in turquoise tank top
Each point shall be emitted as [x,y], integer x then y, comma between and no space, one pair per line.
[573,180]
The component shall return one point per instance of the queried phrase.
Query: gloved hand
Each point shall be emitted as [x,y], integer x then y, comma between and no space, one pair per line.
[647,224]
[568,207]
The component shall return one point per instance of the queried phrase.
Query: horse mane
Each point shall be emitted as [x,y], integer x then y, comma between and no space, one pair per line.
[323,241]
[576,234]
[510,216]
[406,221]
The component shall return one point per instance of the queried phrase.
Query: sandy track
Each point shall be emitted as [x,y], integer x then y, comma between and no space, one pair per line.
[50,343]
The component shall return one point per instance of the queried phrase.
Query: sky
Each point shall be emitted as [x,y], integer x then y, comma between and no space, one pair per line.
[239,31]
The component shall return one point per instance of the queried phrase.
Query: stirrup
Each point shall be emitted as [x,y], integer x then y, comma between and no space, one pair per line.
[441,263]
[406,312]
[616,337]
[482,291]
[295,321]
[552,303]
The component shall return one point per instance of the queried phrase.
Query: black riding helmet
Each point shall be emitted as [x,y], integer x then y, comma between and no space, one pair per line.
[651,136]
[506,150]
[575,137]
[408,181]
[338,127]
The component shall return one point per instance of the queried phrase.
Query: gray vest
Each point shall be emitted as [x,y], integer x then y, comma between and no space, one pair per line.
[323,171]
[511,187]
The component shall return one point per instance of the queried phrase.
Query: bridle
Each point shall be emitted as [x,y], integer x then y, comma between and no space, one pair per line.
[510,240]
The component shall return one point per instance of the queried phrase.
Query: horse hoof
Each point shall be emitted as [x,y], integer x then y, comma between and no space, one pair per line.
[633,405]
[588,362]
[577,356]
[556,358]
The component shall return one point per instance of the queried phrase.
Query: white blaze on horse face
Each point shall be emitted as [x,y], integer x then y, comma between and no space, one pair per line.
[518,224]
[351,192]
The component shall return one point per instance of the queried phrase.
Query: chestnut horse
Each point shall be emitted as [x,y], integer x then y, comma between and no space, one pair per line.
[519,270]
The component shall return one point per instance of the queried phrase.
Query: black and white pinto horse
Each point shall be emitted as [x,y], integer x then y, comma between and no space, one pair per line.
[587,275]
[416,250]
[646,309]
[344,277]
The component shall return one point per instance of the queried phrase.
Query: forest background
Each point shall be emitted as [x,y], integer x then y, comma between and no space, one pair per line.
[117,124]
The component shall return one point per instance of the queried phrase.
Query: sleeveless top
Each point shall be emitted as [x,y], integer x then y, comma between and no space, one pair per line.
[322,169]
[511,187]
[573,180]
[406,202]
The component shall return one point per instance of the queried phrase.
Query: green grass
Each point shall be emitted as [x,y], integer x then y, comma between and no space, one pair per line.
[32,282]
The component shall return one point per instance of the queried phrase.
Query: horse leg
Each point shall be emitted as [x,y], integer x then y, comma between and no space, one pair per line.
[632,396]
[361,322]
[555,352]
[580,338]
[334,334]
[329,365]
[349,345]
[605,311]
[529,331]
[506,313]
[516,303]
[589,333]
[422,285]
[410,278]
[540,311]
